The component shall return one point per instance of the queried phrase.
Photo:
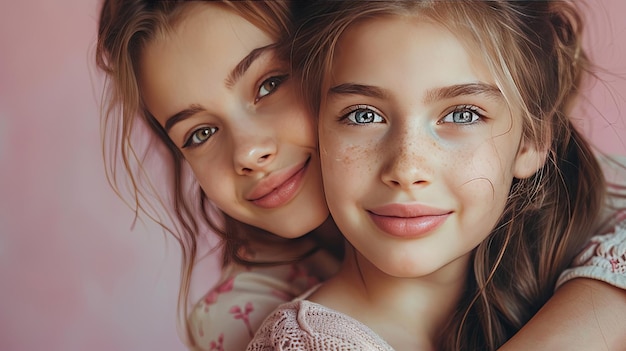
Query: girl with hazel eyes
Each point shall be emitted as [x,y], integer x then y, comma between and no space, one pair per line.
[451,165]
[204,129]
[203,122]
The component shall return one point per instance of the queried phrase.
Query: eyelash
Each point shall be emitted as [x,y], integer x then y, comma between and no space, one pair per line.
[190,143]
[345,117]
[477,115]
[280,79]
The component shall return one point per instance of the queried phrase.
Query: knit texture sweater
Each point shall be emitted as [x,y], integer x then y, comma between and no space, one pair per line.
[305,325]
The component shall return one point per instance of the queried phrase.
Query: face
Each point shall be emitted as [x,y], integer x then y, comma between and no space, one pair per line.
[216,86]
[418,146]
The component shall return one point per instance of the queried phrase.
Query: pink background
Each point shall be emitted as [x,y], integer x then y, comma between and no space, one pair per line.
[72,274]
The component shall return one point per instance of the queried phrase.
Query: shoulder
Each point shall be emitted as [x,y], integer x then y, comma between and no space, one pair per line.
[304,325]
[227,317]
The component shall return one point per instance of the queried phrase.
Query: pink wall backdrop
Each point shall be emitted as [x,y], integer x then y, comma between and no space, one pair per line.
[73,276]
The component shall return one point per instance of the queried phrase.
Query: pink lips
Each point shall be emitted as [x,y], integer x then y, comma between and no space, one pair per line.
[407,220]
[278,188]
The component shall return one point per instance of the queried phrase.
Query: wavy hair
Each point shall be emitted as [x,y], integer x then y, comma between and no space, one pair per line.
[533,49]
[142,164]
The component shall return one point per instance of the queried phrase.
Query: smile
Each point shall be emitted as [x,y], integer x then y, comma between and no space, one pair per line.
[408,221]
[278,189]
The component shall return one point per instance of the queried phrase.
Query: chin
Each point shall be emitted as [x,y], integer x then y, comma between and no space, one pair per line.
[298,228]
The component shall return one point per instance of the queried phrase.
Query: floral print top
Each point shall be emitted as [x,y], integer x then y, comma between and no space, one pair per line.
[227,318]
[229,315]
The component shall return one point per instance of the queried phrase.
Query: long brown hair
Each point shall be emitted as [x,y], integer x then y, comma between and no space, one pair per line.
[533,49]
[142,164]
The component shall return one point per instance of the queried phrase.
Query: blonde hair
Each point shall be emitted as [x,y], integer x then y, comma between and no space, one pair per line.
[533,49]
[142,164]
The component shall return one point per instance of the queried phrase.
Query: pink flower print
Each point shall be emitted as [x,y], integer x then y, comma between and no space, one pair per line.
[227,286]
[244,315]
[299,272]
[618,265]
[210,299]
[296,272]
[217,345]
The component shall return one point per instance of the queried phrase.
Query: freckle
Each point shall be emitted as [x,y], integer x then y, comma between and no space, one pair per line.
[349,155]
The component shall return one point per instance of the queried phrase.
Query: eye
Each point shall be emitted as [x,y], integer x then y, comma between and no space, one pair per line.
[462,115]
[199,136]
[363,115]
[269,85]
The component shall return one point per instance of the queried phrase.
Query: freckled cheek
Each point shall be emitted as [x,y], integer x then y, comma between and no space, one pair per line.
[344,163]
[456,162]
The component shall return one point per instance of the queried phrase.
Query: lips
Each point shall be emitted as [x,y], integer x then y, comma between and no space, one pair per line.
[279,187]
[408,220]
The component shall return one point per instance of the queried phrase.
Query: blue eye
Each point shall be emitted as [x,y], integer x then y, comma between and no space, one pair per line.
[269,85]
[364,116]
[199,136]
[462,115]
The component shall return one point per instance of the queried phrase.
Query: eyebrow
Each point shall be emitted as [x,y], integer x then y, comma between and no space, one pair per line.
[232,78]
[457,90]
[182,115]
[358,89]
[245,63]
[432,95]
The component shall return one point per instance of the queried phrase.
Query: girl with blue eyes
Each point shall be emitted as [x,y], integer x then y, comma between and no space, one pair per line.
[206,131]
[451,165]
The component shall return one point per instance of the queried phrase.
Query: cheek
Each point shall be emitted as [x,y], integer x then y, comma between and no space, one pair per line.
[213,175]
[487,159]
[297,129]
[484,176]
[294,122]
[346,166]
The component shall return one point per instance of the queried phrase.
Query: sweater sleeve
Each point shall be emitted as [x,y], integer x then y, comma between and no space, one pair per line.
[604,259]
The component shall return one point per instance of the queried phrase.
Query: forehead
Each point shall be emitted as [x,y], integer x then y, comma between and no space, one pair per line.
[417,46]
[195,56]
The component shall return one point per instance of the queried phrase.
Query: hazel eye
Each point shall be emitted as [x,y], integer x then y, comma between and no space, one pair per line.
[199,136]
[269,86]
[364,116]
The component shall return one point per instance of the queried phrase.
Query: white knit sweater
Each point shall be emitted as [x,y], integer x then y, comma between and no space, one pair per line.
[305,325]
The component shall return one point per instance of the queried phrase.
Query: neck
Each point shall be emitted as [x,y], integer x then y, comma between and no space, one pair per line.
[268,247]
[408,313]
[329,238]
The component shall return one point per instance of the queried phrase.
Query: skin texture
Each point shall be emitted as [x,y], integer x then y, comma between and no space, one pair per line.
[414,153]
[583,314]
[255,171]
[248,148]
[419,149]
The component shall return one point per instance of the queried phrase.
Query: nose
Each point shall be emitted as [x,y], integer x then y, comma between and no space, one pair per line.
[253,153]
[406,165]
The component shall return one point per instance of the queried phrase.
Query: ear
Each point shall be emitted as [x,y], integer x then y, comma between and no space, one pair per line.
[530,158]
